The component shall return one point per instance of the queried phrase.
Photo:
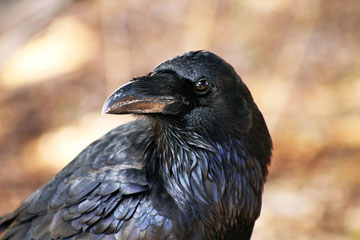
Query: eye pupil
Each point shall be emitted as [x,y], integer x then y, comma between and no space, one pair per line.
[202,85]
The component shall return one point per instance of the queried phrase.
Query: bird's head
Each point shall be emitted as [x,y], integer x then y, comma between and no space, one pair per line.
[197,90]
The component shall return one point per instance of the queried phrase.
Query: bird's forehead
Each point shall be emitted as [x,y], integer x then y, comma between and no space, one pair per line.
[192,65]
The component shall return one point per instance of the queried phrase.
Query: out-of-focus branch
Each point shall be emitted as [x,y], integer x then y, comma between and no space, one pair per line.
[114,31]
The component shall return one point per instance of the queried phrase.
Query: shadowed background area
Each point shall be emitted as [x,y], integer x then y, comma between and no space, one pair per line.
[60,59]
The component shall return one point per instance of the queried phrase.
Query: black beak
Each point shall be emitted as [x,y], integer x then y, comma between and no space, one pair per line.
[128,99]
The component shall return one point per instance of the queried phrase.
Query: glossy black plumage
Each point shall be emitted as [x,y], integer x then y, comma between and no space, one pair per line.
[192,167]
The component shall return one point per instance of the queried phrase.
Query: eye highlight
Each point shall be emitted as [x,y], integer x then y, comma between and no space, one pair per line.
[202,86]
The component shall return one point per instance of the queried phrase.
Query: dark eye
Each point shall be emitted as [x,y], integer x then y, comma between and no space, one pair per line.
[202,86]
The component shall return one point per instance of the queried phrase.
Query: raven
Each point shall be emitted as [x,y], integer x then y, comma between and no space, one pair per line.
[192,166]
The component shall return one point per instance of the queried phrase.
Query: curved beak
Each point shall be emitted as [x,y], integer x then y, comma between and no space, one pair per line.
[129,99]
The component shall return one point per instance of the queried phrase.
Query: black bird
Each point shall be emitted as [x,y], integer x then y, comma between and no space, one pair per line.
[191,167]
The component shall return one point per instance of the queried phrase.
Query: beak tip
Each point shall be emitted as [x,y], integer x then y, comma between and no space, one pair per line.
[105,109]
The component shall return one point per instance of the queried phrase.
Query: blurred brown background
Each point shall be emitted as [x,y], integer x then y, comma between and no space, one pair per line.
[60,59]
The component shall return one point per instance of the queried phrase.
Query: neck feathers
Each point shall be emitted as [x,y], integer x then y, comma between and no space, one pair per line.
[211,181]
